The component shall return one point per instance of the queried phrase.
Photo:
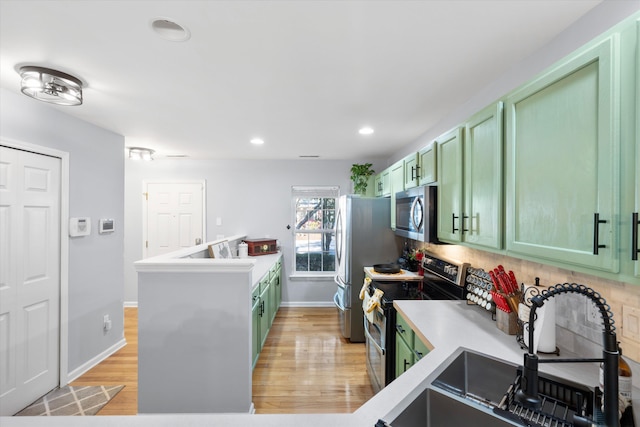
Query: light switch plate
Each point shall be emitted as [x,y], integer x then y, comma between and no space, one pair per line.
[631,323]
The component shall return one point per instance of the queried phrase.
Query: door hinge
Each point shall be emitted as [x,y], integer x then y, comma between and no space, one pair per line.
[146,196]
[146,244]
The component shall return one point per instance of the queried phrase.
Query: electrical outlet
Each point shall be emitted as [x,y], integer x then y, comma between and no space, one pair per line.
[106,322]
[593,314]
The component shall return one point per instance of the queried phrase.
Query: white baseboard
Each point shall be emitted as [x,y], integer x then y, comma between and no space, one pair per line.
[131,303]
[85,367]
[307,304]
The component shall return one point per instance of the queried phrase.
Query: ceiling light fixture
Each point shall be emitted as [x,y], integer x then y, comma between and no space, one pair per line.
[169,30]
[257,141]
[365,131]
[51,86]
[140,153]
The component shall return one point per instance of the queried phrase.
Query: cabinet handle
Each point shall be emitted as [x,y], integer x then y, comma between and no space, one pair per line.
[407,365]
[596,232]
[634,236]
[463,218]
[453,223]
[419,354]
[400,329]
[415,169]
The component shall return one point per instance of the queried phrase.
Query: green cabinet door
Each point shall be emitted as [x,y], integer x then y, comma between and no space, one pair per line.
[396,183]
[561,147]
[404,355]
[449,161]
[483,178]
[427,163]
[273,297]
[265,321]
[419,349]
[411,171]
[255,326]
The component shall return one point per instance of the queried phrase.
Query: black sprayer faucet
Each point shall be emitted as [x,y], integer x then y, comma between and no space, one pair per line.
[528,393]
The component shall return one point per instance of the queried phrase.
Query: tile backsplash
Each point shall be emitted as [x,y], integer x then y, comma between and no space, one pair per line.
[578,327]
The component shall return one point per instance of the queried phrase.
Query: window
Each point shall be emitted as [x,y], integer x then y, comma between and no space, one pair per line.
[314,230]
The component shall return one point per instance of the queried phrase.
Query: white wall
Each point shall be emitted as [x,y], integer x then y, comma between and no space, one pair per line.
[252,197]
[96,184]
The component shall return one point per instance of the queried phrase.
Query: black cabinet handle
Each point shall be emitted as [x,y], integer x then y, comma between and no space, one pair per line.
[415,169]
[596,231]
[407,365]
[418,354]
[634,236]
[400,329]
[463,218]
[453,223]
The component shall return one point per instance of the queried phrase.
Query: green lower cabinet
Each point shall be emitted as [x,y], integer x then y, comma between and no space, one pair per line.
[409,348]
[404,355]
[265,302]
[255,327]
[263,312]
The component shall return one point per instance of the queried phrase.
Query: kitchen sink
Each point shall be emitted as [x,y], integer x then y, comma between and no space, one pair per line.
[433,408]
[477,389]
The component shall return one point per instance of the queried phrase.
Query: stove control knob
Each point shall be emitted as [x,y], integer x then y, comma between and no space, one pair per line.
[453,271]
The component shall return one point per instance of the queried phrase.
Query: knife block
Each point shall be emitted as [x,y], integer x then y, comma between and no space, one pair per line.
[507,322]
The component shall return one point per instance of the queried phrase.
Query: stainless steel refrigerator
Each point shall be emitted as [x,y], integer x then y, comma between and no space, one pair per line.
[363,238]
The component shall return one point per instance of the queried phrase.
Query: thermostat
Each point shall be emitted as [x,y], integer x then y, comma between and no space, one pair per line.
[79,227]
[107,226]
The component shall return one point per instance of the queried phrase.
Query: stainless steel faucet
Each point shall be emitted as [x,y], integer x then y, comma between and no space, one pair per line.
[528,393]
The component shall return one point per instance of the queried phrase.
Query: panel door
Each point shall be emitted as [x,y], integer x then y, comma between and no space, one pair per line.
[264,315]
[483,178]
[449,160]
[412,171]
[404,356]
[561,143]
[396,183]
[174,217]
[29,277]
[427,162]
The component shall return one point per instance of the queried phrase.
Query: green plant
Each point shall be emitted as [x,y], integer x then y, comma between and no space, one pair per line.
[360,175]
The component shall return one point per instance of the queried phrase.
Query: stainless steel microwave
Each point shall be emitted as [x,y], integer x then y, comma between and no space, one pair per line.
[416,214]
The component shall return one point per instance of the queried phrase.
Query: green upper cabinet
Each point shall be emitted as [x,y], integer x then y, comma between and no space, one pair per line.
[630,149]
[562,181]
[396,182]
[449,161]
[411,171]
[483,178]
[420,168]
[382,183]
[427,164]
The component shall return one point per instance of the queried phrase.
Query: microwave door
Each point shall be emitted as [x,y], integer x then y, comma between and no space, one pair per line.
[417,214]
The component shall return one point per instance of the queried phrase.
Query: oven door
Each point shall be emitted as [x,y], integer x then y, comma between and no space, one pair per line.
[376,352]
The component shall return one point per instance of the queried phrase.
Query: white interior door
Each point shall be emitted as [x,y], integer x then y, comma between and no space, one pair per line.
[174,216]
[29,277]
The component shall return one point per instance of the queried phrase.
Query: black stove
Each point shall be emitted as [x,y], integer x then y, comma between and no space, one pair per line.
[397,290]
[442,280]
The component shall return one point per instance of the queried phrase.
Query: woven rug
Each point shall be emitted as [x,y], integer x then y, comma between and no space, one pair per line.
[72,400]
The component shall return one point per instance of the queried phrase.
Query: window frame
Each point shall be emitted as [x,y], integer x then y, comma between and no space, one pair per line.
[312,191]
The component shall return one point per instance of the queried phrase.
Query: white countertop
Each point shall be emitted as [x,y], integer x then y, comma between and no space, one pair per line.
[444,325]
[403,275]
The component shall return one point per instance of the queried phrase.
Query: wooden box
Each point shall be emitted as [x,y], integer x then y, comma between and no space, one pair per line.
[261,246]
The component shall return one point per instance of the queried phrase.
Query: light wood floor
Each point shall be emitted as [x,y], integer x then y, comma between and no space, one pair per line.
[305,367]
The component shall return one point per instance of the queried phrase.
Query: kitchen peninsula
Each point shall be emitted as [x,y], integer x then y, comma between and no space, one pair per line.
[195,330]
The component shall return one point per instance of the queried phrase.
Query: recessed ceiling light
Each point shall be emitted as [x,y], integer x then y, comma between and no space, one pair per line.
[365,131]
[257,141]
[169,30]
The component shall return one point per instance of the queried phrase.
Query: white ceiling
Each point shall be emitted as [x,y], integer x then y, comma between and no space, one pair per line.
[302,75]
